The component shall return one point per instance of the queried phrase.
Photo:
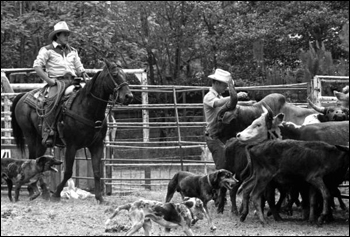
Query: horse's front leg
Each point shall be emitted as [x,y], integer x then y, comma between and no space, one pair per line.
[68,171]
[96,155]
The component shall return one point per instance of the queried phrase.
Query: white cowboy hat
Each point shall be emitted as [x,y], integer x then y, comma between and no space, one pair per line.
[59,27]
[221,75]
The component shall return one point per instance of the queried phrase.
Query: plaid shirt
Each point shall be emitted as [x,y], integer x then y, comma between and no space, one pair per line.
[59,60]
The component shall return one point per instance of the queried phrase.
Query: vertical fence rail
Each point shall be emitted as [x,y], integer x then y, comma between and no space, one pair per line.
[178,128]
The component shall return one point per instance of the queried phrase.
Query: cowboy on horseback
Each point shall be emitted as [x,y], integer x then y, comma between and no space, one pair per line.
[62,65]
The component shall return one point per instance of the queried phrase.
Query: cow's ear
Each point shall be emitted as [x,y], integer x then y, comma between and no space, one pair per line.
[278,119]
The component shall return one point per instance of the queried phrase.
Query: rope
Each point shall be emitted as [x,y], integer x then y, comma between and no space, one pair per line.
[60,90]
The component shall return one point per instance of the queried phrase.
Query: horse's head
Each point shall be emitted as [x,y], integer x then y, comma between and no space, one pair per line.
[118,82]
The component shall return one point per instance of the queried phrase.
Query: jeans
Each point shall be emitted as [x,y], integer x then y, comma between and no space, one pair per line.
[217,149]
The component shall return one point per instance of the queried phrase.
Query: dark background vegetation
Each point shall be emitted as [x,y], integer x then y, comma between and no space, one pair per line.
[181,42]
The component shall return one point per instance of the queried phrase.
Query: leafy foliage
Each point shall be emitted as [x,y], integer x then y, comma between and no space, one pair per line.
[181,42]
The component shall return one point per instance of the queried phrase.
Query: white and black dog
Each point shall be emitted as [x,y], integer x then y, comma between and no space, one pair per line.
[169,215]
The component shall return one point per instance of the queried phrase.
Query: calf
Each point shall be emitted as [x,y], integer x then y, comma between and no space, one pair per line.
[236,159]
[335,133]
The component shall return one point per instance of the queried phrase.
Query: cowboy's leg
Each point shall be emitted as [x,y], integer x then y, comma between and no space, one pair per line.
[47,129]
[217,148]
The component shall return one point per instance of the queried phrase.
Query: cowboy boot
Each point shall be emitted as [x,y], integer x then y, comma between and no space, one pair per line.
[48,132]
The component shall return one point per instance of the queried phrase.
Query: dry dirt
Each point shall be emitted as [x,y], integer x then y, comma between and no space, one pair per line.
[86,217]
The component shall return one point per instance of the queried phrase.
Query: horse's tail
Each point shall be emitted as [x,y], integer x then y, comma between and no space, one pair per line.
[16,129]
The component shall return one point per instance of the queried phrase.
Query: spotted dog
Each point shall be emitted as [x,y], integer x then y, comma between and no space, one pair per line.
[168,215]
[22,171]
[204,187]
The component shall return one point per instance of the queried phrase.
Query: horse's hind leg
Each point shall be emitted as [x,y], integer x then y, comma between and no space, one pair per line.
[36,149]
[68,171]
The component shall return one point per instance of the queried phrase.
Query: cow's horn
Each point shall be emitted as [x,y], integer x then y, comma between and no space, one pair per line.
[319,109]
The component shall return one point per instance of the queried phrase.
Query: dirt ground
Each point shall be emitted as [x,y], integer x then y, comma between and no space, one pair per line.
[86,217]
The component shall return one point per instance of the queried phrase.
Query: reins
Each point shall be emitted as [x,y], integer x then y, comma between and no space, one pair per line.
[116,89]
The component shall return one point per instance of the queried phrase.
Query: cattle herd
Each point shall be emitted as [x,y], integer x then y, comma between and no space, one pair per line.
[268,147]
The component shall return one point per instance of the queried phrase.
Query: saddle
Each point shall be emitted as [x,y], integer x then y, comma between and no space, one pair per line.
[49,110]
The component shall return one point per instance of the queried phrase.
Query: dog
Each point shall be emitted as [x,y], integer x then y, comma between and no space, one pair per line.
[203,187]
[168,215]
[22,171]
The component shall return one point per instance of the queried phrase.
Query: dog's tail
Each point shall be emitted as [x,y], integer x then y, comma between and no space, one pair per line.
[16,129]
[117,210]
[172,187]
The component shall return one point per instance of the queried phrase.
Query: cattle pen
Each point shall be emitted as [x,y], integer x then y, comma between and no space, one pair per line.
[147,142]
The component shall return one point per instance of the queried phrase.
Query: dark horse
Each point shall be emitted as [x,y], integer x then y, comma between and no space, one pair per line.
[79,131]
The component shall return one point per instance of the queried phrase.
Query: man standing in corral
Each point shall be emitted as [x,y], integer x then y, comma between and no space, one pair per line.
[213,102]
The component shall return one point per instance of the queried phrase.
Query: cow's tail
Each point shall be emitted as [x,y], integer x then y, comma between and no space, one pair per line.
[172,185]
[117,210]
[245,170]
[16,129]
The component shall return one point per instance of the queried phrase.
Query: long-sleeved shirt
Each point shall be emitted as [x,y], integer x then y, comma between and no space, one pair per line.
[59,60]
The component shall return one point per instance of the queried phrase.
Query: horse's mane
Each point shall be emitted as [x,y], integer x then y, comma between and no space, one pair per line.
[89,84]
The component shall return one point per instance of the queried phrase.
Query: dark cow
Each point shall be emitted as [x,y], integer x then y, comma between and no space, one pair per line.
[335,133]
[288,162]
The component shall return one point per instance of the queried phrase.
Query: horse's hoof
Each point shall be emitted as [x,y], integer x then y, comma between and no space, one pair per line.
[34,196]
[99,201]
[242,218]
[235,212]
[55,198]
[46,195]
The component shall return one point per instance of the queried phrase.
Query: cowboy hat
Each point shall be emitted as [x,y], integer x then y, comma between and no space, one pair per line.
[59,27]
[221,75]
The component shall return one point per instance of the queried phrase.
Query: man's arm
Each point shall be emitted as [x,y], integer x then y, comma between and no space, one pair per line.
[39,62]
[221,102]
[43,75]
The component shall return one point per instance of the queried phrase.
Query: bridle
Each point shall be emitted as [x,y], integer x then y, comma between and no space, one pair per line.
[116,89]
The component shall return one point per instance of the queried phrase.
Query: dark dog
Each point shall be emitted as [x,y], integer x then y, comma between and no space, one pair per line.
[203,187]
[169,215]
[21,171]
